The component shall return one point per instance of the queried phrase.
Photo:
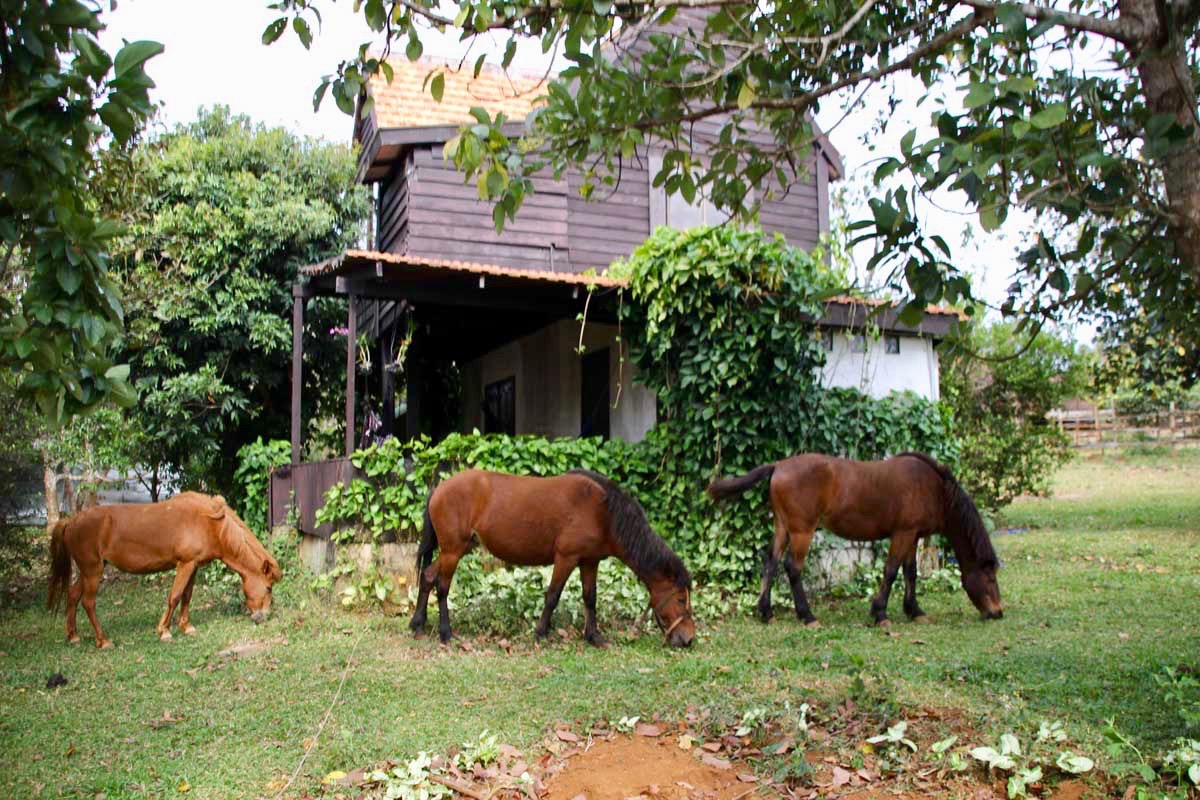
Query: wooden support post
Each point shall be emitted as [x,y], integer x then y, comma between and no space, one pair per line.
[414,374]
[297,367]
[351,357]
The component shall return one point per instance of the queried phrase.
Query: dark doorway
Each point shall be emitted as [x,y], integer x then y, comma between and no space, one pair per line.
[500,407]
[593,394]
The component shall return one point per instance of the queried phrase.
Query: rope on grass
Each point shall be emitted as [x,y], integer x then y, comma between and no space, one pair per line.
[329,711]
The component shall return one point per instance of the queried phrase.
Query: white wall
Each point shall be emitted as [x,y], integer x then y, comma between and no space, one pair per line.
[876,372]
[546,368]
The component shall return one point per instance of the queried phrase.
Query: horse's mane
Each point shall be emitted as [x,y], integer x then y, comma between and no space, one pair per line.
[962,517]
[647,553]
[241,542]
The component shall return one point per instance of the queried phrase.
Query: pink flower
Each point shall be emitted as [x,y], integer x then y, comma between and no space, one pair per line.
[339,331]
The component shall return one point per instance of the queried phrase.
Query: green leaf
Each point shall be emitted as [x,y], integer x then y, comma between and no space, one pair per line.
[979,94]
[274,30]
[1049,117]
[118,120]
[301,28]
[1069,762]
[133,55]
[414,48]
[437,86]
[118,372]
[746,95]
[69,277]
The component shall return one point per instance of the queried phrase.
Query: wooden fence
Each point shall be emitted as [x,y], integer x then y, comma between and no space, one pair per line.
[1105,428]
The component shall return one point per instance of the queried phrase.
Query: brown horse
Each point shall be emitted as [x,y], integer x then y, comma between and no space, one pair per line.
[903,498]
[185,532]
[572,520]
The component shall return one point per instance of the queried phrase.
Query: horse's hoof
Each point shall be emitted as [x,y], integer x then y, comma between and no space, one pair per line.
[813,623]
[921,619]
[165,636]
[73,640]
[596,640]
[190,630]
[104,645]
[884,623]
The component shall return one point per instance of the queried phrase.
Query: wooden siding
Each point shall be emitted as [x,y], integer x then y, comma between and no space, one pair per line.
[615,222]
[394,209]
[797,213]
[448,220]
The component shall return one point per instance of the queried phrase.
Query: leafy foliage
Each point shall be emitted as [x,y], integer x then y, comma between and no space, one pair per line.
[221,213]
[60,95]
[253,477]
[1001,388]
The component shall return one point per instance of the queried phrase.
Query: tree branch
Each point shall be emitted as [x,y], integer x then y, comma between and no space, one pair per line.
[1111,28]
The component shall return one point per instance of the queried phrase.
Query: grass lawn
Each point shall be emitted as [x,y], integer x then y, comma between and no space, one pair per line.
[1101,594]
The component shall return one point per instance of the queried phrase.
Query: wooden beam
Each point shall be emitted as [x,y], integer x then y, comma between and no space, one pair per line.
[351,327]
[297,367]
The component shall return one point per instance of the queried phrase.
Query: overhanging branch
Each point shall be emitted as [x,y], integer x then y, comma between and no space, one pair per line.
[1112,28]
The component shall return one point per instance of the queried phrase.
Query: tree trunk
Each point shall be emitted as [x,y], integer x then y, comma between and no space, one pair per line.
[1167,82]
[50,487]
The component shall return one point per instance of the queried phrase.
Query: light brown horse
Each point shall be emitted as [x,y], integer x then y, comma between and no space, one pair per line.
[184,533]
[903,498]
[572,520]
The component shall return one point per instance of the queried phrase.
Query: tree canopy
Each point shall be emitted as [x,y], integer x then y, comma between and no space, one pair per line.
[219,215]
[60,95]
[1083,113]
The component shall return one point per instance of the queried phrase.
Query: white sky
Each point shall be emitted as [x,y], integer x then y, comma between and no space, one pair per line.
[214,54]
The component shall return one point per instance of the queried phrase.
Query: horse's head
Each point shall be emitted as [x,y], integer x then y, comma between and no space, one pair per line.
[671,601]
[983,589]
[256,585]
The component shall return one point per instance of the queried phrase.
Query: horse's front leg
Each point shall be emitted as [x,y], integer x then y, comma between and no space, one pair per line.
[562,570]
[183,575]
[587,576]
[900,544]
[771,557]
[89,585]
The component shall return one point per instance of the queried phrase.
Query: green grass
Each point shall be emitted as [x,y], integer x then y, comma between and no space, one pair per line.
[1081,641]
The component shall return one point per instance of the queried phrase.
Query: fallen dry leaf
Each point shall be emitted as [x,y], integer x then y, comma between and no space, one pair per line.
[712,747]
[840,777]
[747,777]
[645,729]
[566,736]
[713,761]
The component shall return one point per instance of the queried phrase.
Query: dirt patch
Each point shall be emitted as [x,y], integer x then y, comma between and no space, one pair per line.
[647,767]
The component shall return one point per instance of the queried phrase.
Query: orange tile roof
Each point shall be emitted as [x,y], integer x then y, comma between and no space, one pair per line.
[332,266]
[850,300]
[407,103]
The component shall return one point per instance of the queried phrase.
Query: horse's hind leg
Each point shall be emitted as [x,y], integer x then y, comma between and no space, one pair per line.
[901,544]
[90,585]
[771,557]
[798,545]
[563,568]
[425,583]
[185,606]
[911,608]
[587,576]
[183,576]
[446,564]
[73,595]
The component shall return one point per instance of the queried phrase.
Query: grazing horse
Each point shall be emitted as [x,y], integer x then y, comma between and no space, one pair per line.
[903,498]
[185,532]
[572,520]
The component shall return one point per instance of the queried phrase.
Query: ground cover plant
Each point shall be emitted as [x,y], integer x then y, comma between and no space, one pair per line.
[1100,593]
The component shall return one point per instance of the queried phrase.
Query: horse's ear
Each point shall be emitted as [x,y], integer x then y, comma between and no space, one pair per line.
[267,567]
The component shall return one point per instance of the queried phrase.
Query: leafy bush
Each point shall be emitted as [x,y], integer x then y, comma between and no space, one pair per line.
[1000,404]
[253,478]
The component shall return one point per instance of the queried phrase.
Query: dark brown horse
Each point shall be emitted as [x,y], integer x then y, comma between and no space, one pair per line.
[184,533]
[903,498]
[572,520]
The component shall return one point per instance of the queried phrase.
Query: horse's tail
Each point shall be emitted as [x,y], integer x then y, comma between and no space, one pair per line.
[723,488]
[60,566]
[428,541]
[961,518]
